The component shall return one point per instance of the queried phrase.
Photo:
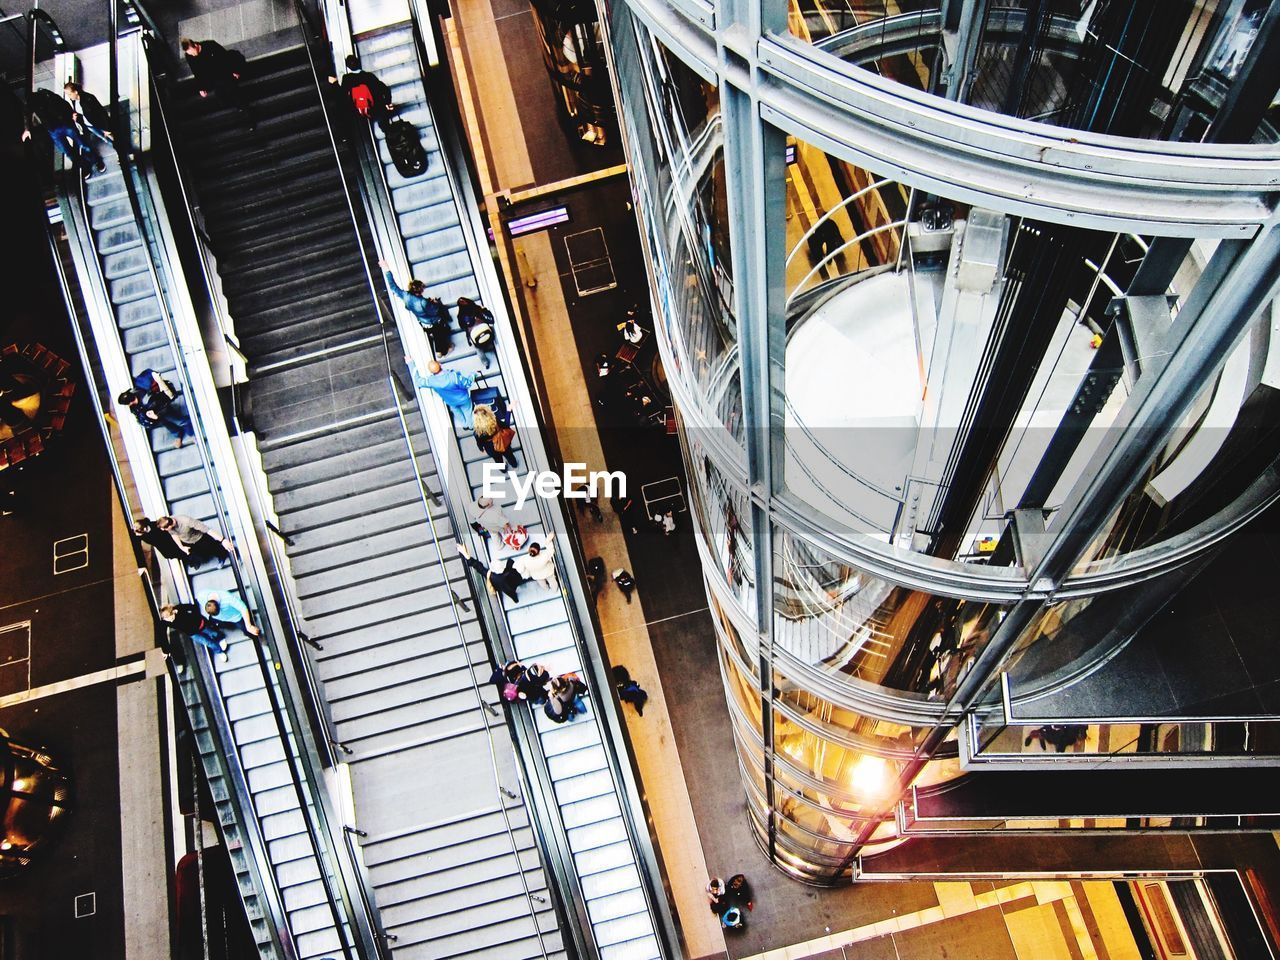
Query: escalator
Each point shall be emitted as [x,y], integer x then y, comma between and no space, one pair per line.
[243,735]
[451,855]
[259,763]
[422,225]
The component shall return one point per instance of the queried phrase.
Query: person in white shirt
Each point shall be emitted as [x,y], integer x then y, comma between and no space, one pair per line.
[539,564]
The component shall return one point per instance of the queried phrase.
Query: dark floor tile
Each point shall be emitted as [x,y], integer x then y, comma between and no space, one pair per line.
[981,935]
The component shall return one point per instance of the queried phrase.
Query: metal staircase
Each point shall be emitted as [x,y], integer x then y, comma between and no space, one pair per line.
[450,854]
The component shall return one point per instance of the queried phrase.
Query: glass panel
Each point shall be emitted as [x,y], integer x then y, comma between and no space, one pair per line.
[744,648]
[802,709]
[850,624]
[812,22]
[724,520]
[683,156]
[1206,738]
[1155,71]
[745,693]
[841,219]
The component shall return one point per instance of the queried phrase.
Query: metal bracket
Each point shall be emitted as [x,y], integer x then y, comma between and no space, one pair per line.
[1141,324]
[1030,538]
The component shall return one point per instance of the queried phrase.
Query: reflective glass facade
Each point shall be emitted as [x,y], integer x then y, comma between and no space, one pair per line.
[968,329]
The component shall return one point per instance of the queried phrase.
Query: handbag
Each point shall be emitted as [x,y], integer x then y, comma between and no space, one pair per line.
[502,439]
[510,692]
[515,536]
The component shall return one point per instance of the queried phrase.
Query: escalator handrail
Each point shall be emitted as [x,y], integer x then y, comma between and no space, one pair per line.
[272,896]
[282,709]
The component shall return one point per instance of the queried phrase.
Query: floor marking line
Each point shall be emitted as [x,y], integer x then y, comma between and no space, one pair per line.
[75,683]
[674,616]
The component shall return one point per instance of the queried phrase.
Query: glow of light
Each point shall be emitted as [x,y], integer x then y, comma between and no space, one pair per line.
[870,775]
[19,785]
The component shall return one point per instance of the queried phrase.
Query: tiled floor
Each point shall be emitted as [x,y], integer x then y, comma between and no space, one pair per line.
[976,921]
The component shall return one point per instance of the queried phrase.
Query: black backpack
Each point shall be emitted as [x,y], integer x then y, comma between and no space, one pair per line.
[405,148]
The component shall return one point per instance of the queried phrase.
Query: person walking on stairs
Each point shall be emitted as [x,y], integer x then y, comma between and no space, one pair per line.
[154,407]
[534,682]
[493,437]
[489,519]
[430,312]
[227,610]
[197,540]
[506,679]
[500,577]
[218,71]
[477,324]
[540,564]
[163,543]
[564,698]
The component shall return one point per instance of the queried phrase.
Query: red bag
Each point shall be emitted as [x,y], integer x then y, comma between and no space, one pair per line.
[502,439]
[362,97]
[515,537]
[510,692]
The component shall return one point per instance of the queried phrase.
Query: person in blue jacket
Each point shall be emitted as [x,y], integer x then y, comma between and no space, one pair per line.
[452,387]
[429,311]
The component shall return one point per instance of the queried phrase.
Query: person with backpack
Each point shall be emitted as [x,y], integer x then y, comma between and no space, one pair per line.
[46,109]
[429,311]
[369,96]
[628,690]
[477,325]
[564,698]
[155,409]
[534,682]
[506,680]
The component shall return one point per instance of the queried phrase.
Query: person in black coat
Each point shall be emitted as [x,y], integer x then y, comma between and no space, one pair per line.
[628,690]
[158,539]
[533,683]
[217,71]
[368,96]
[89,112]
[46,109]
[501,577]
[196,624]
